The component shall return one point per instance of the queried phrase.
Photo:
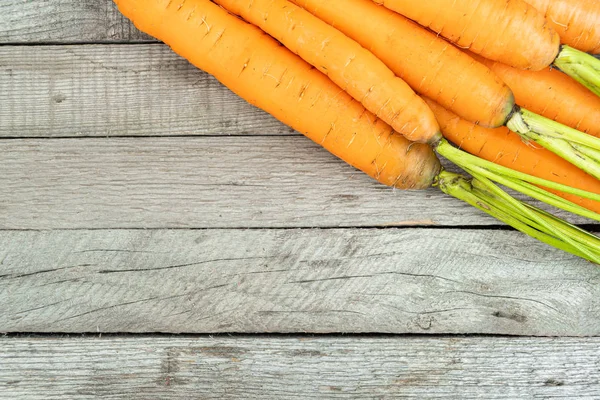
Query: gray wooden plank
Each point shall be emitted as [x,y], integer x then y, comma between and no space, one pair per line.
[314,280]
[205,182]
[299,368]
[102,90]
[89,91]
[202,182]
[64,22]
[115,90]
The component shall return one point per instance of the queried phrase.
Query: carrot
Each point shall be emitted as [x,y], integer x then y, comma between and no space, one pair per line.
[259,70]
[508,31]
[256,67]
[501,146]
[576,21]
[552,94]
[449,76]
[345,62]
[429,64]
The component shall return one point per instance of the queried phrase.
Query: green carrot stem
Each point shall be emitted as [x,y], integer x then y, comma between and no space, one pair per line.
[518,181]
[574,236]
[581,235]
[536,193]
[485,195]
[580,149]
[505,207]
[580,66]
[464,159]
[463,189]
[580,246]
[529,121]
[492,200]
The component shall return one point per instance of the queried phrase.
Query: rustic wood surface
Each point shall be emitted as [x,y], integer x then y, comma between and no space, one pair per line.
[261,173]
[299,368]
[63,21]
[202,182]
[139,195]
[282,280]
[117,90]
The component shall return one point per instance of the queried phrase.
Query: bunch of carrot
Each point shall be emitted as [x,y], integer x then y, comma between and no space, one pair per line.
[369,82]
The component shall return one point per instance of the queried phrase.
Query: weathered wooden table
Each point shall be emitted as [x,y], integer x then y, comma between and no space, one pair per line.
[141,199]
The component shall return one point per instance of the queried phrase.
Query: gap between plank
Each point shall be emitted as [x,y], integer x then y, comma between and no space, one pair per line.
[101,43]
[223,135]
[244,335]
[590,227]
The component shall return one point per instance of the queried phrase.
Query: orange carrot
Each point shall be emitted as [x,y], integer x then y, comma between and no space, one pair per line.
[501,146]
[552,94]
[429,64]
[346,62]
[269,76]
[443,72]
[576,21]
[509,31]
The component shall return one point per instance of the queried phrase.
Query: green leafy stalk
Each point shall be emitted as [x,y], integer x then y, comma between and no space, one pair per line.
[580,149]
[580,66]
[582,235]
[523,183]
[464,159]
[574,236]
[480,192]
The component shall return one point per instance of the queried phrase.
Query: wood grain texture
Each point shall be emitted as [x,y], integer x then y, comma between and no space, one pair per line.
[205,182]
[70,91]
[64,22]
[299,368]
[112,90]
[116,90]
[314,280]
[202,182]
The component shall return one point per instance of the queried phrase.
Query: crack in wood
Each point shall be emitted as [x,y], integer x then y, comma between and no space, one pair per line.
[42,307]
[114,271]
[374,275]
[504,297]
[43,271]
[119,305]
